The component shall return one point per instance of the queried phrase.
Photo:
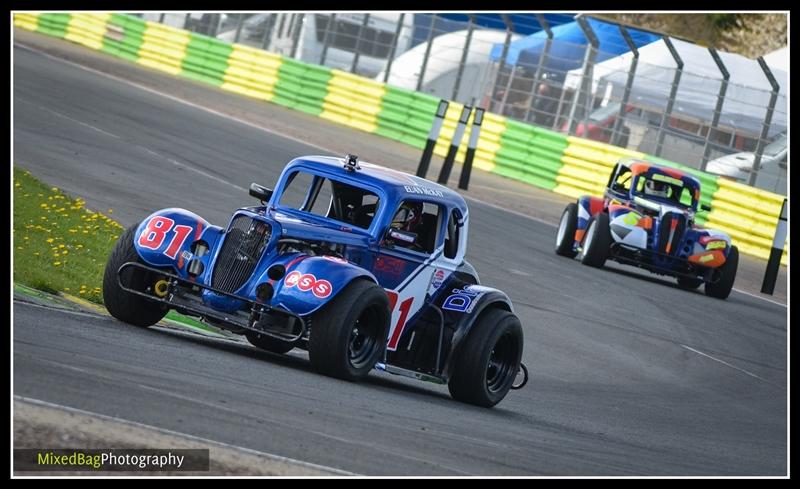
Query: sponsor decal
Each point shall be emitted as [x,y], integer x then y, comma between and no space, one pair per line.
[436,281]
[186,255]
[308,282]
[388,265]
[715,245]
[417,189]
[462,300]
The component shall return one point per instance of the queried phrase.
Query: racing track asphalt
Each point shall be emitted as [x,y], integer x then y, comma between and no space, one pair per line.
[630,375]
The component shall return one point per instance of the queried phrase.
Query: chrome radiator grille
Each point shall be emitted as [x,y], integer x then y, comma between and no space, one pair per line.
[243,245]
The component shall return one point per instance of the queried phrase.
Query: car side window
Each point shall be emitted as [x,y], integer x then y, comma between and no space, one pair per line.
[418,220]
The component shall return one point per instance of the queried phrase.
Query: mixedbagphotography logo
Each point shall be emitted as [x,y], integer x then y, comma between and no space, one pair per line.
[114,460]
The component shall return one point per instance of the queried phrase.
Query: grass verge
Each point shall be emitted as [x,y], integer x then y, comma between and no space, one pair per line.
[59,244]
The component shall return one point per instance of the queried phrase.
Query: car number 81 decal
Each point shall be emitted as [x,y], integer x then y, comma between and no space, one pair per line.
[156,231]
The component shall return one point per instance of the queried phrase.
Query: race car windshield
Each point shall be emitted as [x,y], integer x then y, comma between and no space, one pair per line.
[665,190]
[331,199]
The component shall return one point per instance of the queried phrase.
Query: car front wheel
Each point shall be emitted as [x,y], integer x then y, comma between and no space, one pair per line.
[348,336]
[120,303]
[721,289]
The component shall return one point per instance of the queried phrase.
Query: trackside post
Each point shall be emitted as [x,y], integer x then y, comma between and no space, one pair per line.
[466,170]
[447,166]
[433,135]
[774,263]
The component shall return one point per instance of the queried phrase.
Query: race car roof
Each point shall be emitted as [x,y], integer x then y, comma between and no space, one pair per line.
[640,167]
[396,184]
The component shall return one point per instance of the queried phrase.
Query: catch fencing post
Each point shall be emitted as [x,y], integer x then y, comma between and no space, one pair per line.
[672,94]
[298,25]
[502,64]
[433,135]
[464,53]
[774,263]
[427,54]
[325,41]
[773,97]
[463,183]
[394,47]
[239,23]
[626,95]
[447,166]
[364,25]
[537,77]
[584,91]
[723,87]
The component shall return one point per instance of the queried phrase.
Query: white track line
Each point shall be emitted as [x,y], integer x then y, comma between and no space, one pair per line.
[751,374]
[277,458]
[283,135]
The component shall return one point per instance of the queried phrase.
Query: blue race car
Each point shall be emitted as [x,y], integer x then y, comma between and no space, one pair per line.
[361,265]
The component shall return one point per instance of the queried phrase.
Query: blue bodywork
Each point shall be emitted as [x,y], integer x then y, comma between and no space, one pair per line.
[361,246]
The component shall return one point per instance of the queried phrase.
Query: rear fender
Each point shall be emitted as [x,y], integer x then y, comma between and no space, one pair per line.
[311,281]
[164,239]
[588,206]
[461,309]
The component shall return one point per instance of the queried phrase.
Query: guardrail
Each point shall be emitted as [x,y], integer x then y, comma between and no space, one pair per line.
[567,165]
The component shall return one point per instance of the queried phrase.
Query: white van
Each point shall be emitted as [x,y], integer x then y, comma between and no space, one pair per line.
[739,165]
[346,36]
[443,62]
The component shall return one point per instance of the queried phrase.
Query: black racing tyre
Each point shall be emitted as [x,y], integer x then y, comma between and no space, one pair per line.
[597,241]
[689,283]
[348,336]
[565,237]
[269,343]
[488,361]
[123,305]
[721,289]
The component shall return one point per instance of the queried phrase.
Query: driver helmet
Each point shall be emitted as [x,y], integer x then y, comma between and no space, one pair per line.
[408,216]
[656,189]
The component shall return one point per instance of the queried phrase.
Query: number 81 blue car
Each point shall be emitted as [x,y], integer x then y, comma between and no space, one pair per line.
[361,265]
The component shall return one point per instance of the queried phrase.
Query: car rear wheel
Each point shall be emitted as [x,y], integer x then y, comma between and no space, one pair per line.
[721,289]
[348,336]
[489,360]
[121,304]
[565,237]
[597,242]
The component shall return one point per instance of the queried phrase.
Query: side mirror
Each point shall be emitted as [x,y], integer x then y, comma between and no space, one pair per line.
[259,192]
[705,207]
[399,235]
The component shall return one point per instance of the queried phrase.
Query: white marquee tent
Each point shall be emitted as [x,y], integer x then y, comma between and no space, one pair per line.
[746,99]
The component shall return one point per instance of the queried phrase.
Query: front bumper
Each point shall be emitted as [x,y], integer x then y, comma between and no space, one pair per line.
[184,296]
[677,266]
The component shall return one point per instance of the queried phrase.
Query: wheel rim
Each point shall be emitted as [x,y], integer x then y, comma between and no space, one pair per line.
[589,237]
[502,363]
[562,229]
[364,339]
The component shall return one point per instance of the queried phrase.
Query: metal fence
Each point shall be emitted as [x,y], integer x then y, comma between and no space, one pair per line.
[708,110]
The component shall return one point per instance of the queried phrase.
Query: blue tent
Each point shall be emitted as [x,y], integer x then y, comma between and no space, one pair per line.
[569,45]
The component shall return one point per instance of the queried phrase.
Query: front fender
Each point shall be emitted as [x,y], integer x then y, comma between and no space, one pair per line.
[462,309]
[312,281]
[165,237]
[588,206]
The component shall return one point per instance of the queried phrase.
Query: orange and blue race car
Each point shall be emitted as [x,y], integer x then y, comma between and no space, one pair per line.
[646,218]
